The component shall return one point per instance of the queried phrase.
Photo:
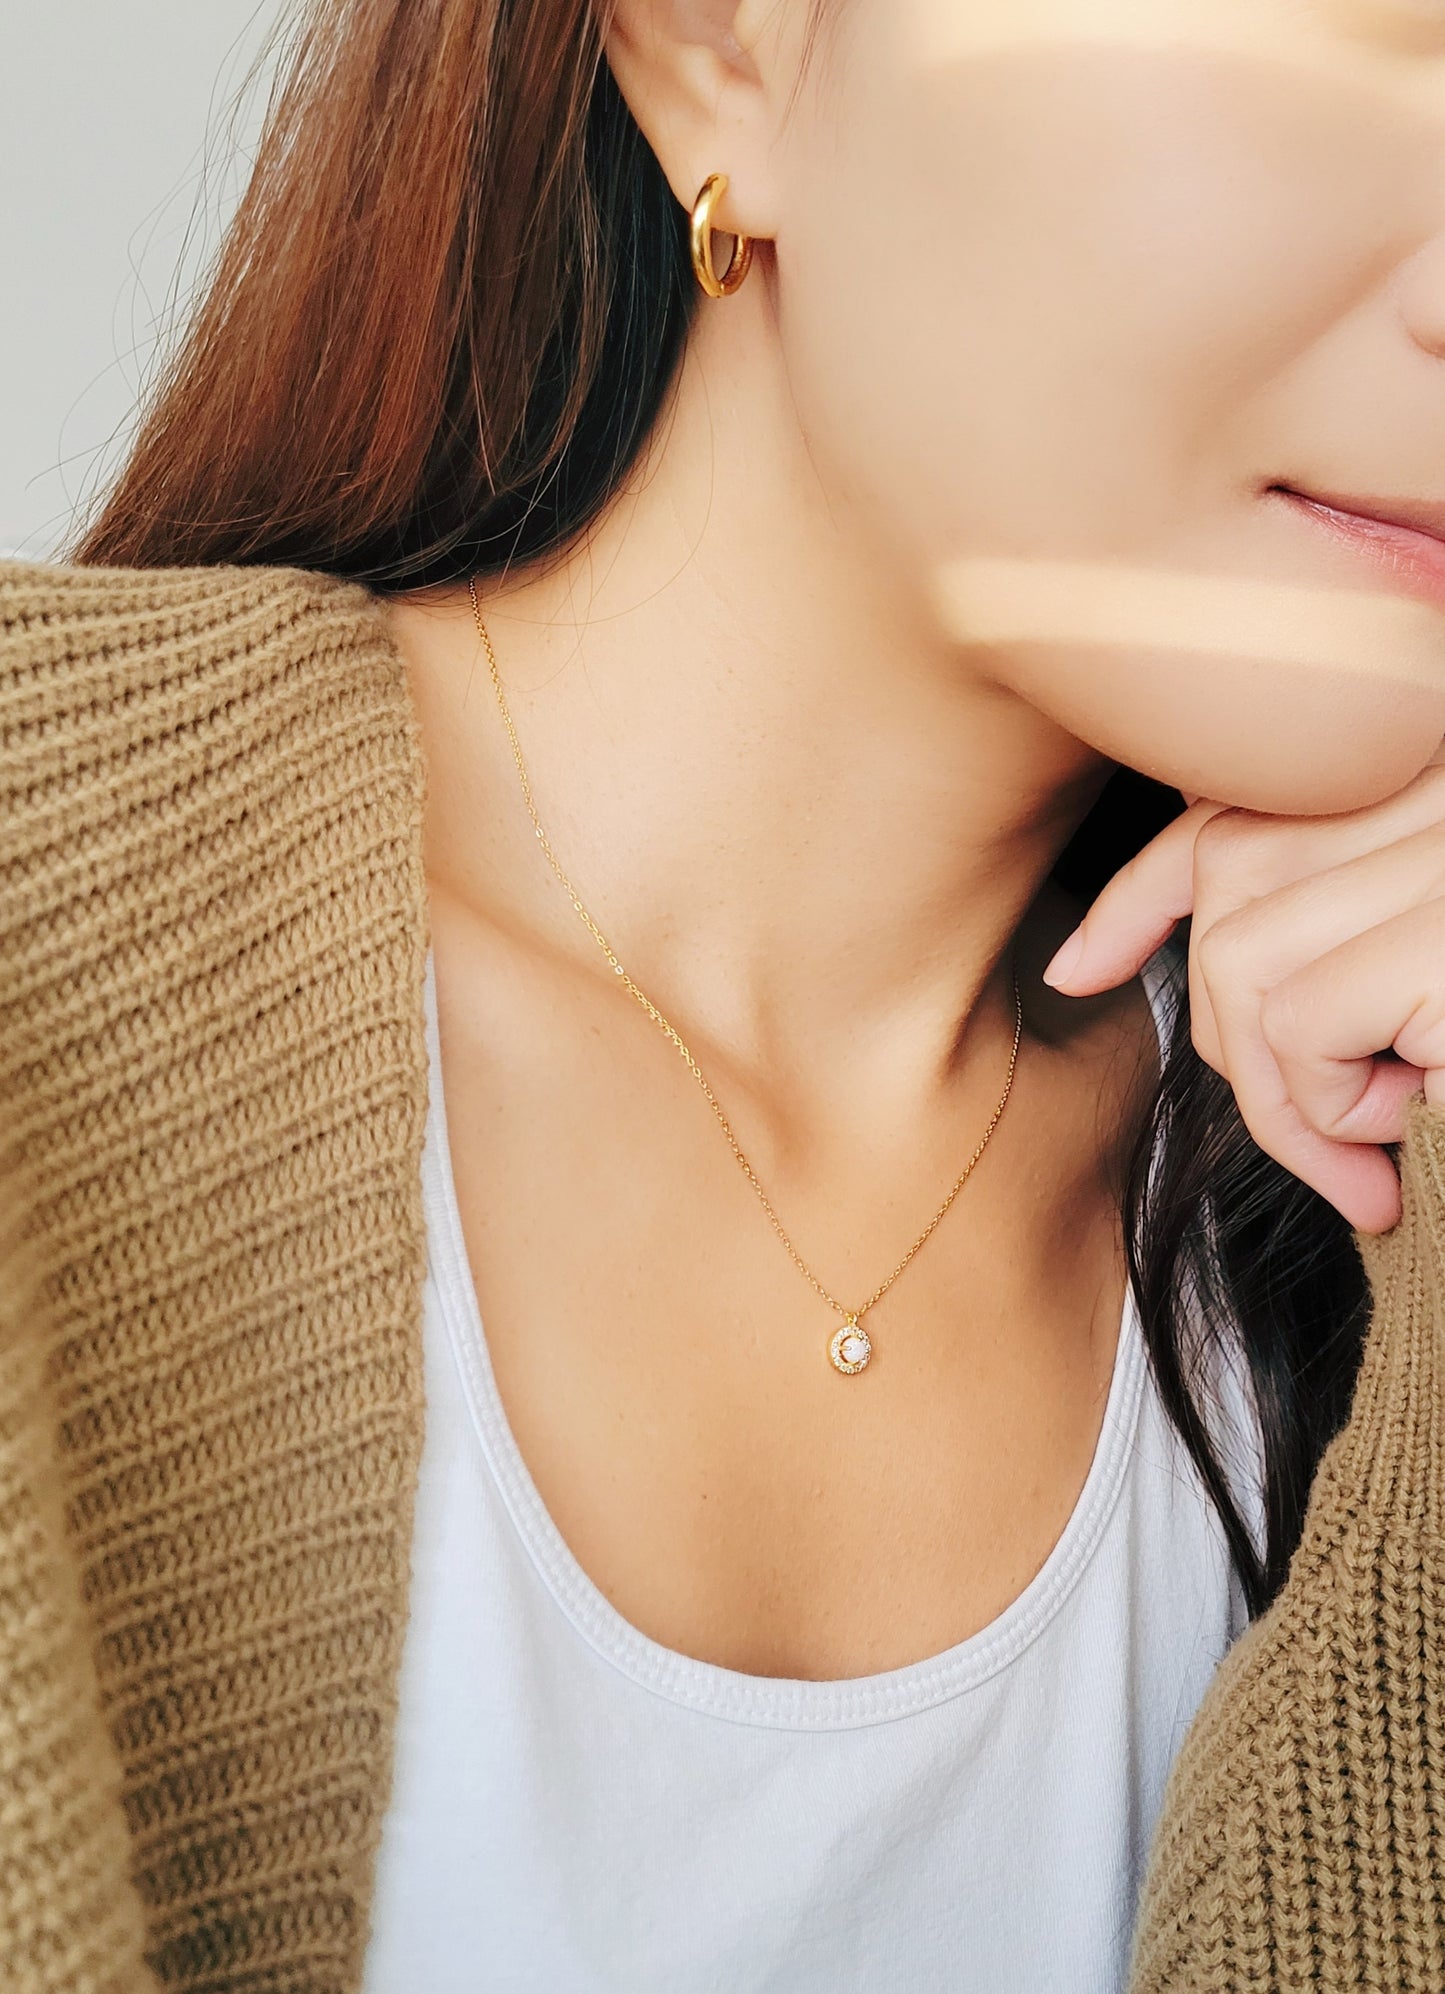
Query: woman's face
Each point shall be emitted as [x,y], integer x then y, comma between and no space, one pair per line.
[1065,286]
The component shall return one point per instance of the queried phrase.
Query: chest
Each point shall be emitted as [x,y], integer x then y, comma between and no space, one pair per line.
[662,1362]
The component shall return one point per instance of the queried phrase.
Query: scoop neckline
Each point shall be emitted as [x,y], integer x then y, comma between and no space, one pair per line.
[800,1703]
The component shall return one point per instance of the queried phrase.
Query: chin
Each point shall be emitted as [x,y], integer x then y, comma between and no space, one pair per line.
[1285,739]
[1299,771]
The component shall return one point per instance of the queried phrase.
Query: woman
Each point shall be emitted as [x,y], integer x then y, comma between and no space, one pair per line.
[711,1630]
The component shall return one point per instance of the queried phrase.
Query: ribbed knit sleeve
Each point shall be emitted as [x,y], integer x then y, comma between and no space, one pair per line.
[213,934]
[1302,1844]
[70,1918]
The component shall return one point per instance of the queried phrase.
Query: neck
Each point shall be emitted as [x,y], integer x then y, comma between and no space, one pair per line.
[808,825]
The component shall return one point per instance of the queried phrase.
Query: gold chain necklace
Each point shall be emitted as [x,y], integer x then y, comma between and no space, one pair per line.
[851,1346]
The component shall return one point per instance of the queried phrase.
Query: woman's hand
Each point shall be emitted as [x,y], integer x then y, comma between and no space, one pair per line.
[1317,944]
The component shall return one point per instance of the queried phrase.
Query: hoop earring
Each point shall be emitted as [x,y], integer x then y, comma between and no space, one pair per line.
[712,191]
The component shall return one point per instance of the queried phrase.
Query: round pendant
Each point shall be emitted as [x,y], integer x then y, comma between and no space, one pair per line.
[850,1348]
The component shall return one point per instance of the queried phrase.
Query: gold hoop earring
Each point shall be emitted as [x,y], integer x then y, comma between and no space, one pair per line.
[712,191]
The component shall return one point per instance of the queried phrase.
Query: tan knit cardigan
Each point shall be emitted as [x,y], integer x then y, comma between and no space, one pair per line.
[213,933]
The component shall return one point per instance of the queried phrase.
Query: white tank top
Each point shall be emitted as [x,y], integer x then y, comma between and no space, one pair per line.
[577,1809]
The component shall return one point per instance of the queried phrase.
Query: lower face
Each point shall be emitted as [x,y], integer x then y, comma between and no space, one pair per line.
[1124,284]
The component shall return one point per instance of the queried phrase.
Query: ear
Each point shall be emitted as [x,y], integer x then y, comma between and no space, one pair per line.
[702,79]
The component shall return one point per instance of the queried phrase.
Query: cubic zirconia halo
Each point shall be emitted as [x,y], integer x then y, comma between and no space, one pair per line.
[851,1348]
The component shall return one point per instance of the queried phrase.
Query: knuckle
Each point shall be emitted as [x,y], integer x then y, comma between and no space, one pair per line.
[1232,848]
[1427,1021]
[1223,943]
[1226,832]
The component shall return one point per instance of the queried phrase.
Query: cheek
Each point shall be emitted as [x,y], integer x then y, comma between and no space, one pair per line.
[1028,287]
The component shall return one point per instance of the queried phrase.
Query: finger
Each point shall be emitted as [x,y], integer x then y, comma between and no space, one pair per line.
[1135,911]
[1357,1178]
[1381,991]
[1311,1087]
[1258,853]
[1243,951]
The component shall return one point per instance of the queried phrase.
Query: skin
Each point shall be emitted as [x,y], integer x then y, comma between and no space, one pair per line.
[1044,297]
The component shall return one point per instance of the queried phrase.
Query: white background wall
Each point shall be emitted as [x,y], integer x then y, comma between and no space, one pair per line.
[125,137]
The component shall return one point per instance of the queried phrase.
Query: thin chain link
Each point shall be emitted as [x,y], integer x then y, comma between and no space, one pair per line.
[851,1315]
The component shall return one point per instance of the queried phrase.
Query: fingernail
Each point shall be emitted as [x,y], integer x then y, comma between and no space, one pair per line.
[1066,960]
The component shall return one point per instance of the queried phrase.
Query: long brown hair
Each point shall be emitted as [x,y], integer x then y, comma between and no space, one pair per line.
[440,321]
[445,319]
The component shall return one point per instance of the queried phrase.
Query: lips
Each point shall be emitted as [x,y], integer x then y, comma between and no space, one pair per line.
[1412,515]
[1403,539]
